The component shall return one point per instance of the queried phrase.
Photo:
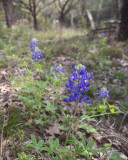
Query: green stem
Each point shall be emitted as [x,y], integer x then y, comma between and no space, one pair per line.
[122,121]
[57,101]
[70,129]
[39,106]
[104,101]
[102,114]
[36,156]
[75,127]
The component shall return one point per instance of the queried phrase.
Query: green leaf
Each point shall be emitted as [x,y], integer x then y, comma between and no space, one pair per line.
[84,143]
[90,144]
[19,156]
[88,118]
[86,155]
[89,128]
[33,139]
[39,121]
[64,150]
[57,143]
[39,70]
[51,140]
[63,78]
[116,154]
[111,106]
[58,157]
[24,64]
[40,143]
[118,158]
[30,146]
[102,108]
[58,82]
[113,111]
[107,146]
[50,108]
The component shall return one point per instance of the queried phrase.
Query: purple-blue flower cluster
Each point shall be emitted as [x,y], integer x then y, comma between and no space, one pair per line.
[103,92]
[78,85]
[103,35]
[37,53]
[59,68]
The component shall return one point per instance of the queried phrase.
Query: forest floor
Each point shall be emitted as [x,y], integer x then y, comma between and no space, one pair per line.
[106,60]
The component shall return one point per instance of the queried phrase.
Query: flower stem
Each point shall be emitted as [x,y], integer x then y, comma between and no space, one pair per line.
[39,106]
[57,95]
[70,129]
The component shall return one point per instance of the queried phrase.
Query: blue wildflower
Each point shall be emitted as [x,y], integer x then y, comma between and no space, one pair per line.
[79,85]
[76,96]
[103,92]
[34,44]
[0,42]
[37,54]
[103,35]
[59,68]
[19,46]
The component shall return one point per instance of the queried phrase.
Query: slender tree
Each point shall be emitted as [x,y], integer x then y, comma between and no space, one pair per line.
[64,7]
[123,31]
[7,5]
[34,7]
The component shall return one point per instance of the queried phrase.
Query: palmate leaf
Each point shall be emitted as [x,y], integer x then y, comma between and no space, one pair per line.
[39,121]
[35,145]
[88,118]
[40,143]
[24,64]
[33,139]
[29,145]
[89,128]
[50,108]
[116,156]
[90,144]
[64,150]
[57,143]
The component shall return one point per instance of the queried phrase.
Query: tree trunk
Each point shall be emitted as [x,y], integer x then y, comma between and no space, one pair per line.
[117,9]
[34,15]
[62,19]
[35,22]
[123,31]
[7,4]
[98,13]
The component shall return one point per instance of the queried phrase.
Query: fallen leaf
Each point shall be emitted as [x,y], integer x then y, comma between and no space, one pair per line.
[30,120]
[5,143]
[53,130]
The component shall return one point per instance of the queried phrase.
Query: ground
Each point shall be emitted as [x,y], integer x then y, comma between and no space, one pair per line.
[106,59]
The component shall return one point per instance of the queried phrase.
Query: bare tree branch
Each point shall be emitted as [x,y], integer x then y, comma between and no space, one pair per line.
[41,8]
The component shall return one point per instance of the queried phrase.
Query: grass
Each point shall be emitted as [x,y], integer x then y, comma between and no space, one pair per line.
[96,55]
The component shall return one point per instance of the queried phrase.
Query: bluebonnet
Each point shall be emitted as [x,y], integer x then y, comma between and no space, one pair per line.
[78,85]
[103,35]
[33,44]
[59,68]
[0,42]
[37,53]
[103,92]
[19,46]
